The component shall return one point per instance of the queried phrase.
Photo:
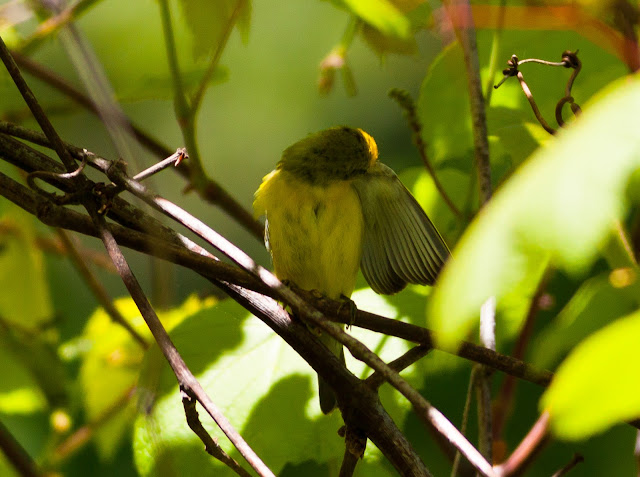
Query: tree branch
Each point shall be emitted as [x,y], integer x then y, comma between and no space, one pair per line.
[425,410]
[17,455]
[98,290]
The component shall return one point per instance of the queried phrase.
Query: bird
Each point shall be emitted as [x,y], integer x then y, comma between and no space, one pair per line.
[331,209]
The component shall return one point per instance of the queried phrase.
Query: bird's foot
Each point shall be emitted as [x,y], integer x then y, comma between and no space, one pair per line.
[353,309]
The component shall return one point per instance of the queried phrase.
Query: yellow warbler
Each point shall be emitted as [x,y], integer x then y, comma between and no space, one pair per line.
[332,208]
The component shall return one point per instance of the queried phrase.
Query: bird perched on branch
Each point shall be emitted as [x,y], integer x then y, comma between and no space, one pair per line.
[332,208]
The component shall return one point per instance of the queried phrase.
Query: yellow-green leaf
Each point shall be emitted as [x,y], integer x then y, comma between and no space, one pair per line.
[598,385]
[559,206]
[383,15]
[111,366]
[24,292]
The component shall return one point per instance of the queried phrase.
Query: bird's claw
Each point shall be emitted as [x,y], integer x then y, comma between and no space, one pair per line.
[353,309]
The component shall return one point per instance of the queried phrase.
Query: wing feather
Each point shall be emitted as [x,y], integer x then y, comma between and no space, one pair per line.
[400,244]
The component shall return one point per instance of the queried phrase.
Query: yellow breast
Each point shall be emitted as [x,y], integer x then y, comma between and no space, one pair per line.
[314,232]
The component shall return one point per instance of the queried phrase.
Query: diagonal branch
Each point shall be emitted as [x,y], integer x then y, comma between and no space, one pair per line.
[425,410]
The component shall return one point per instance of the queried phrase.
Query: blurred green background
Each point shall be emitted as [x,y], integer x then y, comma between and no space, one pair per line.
[269,100]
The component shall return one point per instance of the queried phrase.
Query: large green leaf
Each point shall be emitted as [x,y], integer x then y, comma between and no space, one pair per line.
[560,206]
[210,21]
[262,386]
[598,385]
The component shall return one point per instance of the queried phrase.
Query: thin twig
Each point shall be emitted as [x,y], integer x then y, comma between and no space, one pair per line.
[534,106]
[210,444]
[184,115]
[575,460]
[407,359]
[465,416]
[98,289]
[406,103]
[35,108]
[173,160]
[532,443]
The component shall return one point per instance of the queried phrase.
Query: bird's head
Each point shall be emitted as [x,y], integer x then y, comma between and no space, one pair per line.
[335,154]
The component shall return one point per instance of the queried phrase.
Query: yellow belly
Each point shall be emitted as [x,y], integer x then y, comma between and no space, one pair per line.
[314,232]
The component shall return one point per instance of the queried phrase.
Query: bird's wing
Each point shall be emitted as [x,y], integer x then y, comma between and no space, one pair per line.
[400,244]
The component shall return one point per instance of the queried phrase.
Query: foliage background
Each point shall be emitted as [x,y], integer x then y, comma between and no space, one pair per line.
[269,100]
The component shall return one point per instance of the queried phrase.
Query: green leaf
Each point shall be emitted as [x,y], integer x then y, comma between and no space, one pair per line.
[19,391]
[160,86]
[256,379]
[383,15]
[598,385]
[24,292]
[209,21]
[560,206]
[111,366]
[596,303]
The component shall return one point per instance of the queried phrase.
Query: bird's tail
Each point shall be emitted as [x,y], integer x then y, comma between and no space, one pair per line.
[327,396]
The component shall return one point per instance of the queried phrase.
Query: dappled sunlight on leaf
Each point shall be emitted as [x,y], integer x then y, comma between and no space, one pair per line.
[111,365]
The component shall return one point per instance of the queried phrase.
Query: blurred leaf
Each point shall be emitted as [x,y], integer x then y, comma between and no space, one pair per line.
[383,15]
[19,391]
[594,305]
[111,366]
[560,205]
[210,21]
[24,292]
[257,380]
[161,87]
[598,385]
[37,354]
[383,44]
